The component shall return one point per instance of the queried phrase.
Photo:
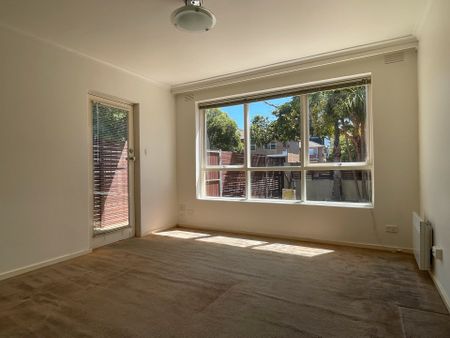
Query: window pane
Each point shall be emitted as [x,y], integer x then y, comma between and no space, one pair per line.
[275,132]
[339,186]
[225,135]
[225,183]
[276,185]
[337,122]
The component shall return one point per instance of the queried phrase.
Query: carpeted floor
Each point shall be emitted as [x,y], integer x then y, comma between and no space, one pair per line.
[192,284]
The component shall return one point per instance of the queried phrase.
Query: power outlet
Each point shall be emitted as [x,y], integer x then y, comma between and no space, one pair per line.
[391,228]
[438,253]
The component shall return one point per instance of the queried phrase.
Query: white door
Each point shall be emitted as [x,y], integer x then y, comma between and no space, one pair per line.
[112,168]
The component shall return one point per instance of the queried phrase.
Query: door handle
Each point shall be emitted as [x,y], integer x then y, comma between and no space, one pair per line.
[131,158]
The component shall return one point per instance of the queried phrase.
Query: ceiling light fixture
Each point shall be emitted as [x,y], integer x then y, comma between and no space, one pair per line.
[193,17]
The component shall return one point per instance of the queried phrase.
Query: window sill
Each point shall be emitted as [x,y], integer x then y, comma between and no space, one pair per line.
[290,202]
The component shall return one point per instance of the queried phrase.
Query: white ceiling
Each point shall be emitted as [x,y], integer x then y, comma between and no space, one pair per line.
[137,35]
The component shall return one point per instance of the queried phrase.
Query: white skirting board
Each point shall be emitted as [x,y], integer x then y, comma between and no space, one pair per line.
[445,297]
[19,271]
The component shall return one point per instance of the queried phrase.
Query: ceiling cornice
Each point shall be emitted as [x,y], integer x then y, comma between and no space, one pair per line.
[353,53]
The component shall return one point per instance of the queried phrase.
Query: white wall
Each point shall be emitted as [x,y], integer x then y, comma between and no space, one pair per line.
[396,164]
[434,121]
[44,149]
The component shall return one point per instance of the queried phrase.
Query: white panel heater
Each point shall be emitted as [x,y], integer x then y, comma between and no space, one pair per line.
[422,242]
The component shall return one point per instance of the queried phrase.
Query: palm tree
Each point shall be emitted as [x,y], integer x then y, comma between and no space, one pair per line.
[340,115]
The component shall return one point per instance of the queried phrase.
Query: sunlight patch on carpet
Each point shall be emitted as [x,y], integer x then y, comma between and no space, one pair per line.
[181,234]
[239,242]
[289,249]
[293,249]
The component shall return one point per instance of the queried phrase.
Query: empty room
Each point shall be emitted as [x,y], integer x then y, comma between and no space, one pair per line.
[212,168]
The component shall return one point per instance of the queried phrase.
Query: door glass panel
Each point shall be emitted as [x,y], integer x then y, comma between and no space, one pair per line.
[110,165]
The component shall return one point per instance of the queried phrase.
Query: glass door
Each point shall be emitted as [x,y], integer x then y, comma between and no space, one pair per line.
[112,171]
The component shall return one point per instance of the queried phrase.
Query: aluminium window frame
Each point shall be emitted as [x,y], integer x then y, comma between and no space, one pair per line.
[305,164]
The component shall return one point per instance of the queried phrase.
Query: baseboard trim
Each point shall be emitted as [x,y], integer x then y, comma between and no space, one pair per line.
[445,297]
[20,271]
[304,239]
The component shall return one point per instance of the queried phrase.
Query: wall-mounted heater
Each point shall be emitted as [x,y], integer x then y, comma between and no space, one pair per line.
[422,242]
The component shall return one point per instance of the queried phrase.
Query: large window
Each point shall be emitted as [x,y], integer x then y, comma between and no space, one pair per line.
[305,145]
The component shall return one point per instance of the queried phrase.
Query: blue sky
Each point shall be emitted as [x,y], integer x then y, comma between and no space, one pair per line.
[255,108]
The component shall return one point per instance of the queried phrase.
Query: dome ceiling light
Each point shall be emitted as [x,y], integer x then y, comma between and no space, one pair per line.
[193,17]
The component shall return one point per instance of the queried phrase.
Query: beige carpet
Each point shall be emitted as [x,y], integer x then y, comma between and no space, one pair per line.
[219,285]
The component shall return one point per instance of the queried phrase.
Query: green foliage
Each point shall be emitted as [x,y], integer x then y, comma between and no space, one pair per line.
[286,126]
[110,122]
[336,117]
[223,132]
[340,116]
[260,131]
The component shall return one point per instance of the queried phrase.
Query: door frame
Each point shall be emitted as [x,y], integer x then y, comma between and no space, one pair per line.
[114,235]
